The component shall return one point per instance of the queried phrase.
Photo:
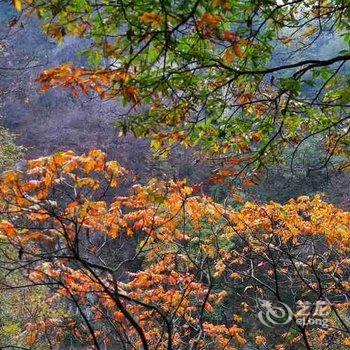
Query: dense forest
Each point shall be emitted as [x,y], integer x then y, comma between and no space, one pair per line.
[174,174]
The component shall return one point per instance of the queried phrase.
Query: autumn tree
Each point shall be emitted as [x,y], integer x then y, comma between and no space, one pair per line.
[238,79]
[13,314]
[203,266]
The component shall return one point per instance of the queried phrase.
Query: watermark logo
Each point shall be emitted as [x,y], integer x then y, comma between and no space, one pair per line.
[307,314]
[271,315]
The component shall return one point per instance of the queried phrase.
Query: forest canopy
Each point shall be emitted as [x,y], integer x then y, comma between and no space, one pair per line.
[240,79]
[204,265]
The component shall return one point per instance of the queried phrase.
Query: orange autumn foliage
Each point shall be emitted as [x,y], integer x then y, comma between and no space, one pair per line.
[61,209]
[106,83]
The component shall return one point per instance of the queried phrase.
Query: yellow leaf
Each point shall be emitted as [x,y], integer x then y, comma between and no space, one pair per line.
[18,5]
[89,182]
[235,275]
[7,228]
[154,19]
[310,31]
[32,337]
[10,176]
[186,190]
[156,144]
[237,318]
[89,165]
[260,340]
[209,250]
[113,166]
[346,342]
